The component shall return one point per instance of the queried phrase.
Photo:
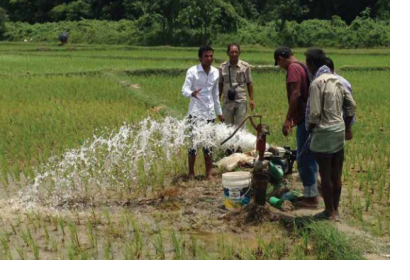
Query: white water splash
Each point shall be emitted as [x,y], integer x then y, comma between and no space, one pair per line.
[104,165]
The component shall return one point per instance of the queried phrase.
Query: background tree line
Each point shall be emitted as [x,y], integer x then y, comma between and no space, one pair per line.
[189,22]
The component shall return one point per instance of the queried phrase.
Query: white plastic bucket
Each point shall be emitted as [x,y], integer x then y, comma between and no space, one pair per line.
[236,188]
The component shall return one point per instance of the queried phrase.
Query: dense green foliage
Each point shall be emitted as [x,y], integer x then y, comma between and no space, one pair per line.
[302,23]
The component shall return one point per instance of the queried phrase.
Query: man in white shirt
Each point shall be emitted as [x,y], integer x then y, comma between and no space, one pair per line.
[201,86]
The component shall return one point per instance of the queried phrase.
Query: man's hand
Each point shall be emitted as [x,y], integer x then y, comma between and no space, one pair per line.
[252,105]
[221,118]
[287,128]
[195,93]
[348,128]
[348,134]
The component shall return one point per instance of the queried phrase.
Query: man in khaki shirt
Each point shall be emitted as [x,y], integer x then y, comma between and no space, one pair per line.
[328,98]
[235,74]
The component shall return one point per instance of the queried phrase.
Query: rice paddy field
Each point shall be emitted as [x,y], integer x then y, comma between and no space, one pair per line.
[80,178]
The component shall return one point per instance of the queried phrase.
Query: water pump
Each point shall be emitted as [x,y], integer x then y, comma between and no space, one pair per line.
[260,174]
[268,167]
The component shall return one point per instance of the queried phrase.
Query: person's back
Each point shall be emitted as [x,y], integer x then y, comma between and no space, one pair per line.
[331,93]
[328,98]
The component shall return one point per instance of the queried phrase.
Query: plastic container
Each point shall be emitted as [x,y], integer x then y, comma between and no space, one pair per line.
[236,188]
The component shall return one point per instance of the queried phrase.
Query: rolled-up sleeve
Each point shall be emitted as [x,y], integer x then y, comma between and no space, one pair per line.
[349,105]
[215,95]
[187,87]
[314,104]
[248,75]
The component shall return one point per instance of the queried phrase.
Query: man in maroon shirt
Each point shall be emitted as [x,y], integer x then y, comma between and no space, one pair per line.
[297,87]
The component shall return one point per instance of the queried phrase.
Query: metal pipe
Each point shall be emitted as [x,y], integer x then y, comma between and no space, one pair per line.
[241,124]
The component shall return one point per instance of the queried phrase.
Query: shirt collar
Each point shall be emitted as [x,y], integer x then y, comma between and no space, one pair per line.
[201,69]
[323,70]
[237,65]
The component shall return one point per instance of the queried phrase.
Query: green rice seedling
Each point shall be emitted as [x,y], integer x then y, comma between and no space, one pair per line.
[108,250]
[21,251]
[179,245]
[159,245]
[5,245]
